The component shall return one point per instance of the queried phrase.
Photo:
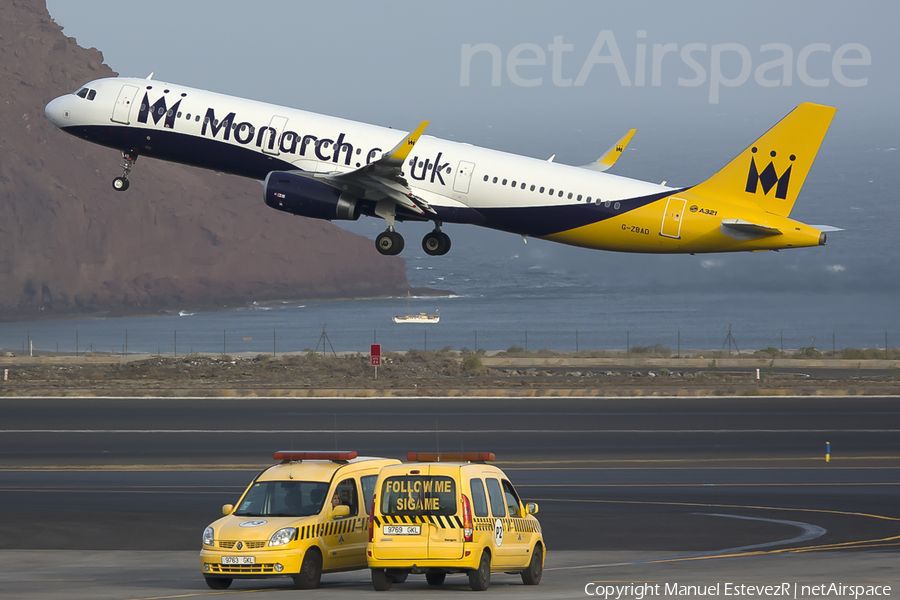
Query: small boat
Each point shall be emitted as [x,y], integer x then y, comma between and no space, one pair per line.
[419,318]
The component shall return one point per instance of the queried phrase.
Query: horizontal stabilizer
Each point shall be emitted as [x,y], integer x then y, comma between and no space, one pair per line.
[747,227]
[826,228]
[612,155]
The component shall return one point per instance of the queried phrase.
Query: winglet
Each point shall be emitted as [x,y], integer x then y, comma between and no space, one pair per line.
[612,155]
[402,150]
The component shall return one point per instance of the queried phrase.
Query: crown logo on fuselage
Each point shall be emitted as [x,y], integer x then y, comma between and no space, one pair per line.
[769,178]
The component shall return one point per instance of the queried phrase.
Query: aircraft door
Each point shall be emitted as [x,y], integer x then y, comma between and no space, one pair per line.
[463,177]
[123,104]
[672,218]
[271,135]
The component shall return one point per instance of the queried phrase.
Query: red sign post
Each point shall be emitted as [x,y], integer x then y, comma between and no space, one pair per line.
[375,357]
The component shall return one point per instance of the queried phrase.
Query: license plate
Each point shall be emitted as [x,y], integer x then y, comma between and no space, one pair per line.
[402,529]
[238,560]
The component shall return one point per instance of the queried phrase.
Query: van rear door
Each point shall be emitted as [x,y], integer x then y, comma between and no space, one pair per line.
[418,517]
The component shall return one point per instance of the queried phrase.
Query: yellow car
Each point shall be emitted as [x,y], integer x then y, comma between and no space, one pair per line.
[300,518]
[451,513]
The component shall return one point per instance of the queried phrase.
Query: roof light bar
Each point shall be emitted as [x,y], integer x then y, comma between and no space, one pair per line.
[451,457]
[297,456]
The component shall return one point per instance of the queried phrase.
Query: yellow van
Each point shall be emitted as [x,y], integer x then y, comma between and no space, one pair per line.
[300,518]
[451,513]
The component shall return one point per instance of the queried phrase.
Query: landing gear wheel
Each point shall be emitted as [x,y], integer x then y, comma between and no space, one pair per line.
[389,243]
[436,243]
[120,184]
[480,578]
[310,571]
[381,581]
[435,578]
[532,575]
[218,583]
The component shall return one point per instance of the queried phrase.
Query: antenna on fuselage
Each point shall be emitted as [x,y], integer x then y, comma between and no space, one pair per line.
[150,76]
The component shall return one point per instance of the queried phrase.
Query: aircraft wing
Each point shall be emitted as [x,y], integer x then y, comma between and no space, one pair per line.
[612,155]
[381,179]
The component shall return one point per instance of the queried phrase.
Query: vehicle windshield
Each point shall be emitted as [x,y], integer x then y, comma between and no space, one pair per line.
[283,499]
[418,495]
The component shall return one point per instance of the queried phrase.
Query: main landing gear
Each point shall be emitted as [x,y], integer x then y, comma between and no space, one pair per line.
[120,184]
[435,243]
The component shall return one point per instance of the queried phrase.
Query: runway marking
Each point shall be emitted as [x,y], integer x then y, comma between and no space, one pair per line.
[433,431]
[191,467]
[644,464]
[874,543]
[810,532]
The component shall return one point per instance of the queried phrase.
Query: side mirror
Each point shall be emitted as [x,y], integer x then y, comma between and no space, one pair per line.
[531,508]
[227,509]
[341,510]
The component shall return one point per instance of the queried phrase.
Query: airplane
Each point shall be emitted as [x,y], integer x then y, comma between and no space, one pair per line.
[329,168]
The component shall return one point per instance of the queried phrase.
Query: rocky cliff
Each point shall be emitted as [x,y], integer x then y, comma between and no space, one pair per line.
[179,237]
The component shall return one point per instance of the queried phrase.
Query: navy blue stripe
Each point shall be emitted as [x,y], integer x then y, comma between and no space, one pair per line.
[202,152]
[539,221]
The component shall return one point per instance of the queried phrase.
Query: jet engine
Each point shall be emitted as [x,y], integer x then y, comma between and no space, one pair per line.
[306,197]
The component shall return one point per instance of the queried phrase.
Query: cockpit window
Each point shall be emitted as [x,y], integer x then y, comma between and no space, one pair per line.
[82,93]
[92,94]
[283,499]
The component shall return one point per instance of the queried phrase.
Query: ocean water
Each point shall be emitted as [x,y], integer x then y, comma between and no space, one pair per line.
[541,295]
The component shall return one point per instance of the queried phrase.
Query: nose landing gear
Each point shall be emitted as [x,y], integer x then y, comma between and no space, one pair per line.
[120,184]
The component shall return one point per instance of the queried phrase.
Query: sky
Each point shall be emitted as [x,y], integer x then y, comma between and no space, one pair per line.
[700,80]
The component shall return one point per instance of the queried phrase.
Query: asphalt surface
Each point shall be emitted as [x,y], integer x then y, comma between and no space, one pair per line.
[117,491]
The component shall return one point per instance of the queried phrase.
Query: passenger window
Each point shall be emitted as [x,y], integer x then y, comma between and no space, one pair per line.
[479,500]
[513,184]
[197,118]
[579,197]
[532,188]
[346,493]
[512,499]
[178,116]
[188,116]
[588,199]
[570,196]
[551,191]
[523,186]
[92,94]
[495,180]
[368,489]
[504,182]
[542,190]
[560,193]
[498,504]
[485,177]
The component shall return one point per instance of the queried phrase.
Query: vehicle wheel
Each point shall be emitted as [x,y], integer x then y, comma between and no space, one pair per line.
[435,578]
[532,575]
[381,581]
[399,576]
[436,243]
[310,571]
[120,184]
[480,578]
[389,243]
[218,583]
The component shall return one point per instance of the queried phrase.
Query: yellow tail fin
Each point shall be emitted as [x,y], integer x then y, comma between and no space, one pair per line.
[770,173]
